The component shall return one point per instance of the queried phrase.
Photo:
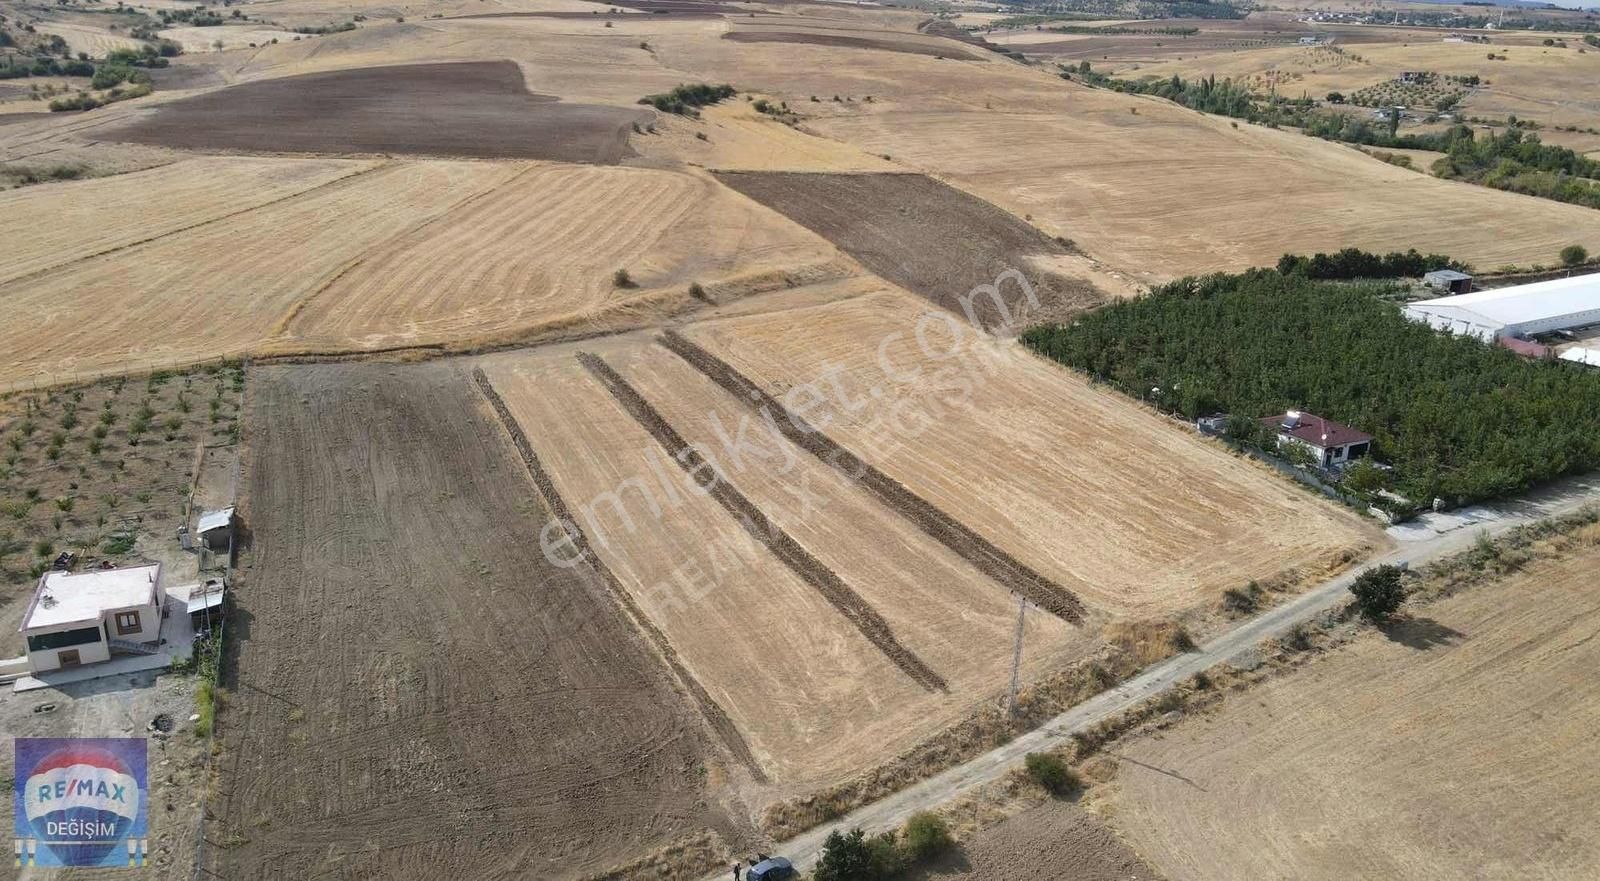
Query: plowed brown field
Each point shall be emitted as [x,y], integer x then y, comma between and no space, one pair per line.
[418,693]
[475,109]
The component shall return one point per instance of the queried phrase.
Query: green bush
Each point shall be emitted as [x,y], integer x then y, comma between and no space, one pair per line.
[1051,772]
[684,99]
[622,279]
[926,836]
[1378,593]
[1574,255]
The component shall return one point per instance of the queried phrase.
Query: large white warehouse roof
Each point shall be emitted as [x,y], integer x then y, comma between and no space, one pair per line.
[1527,303]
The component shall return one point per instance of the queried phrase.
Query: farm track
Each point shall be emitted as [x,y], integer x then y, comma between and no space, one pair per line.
[713,713]
[793,555]
[947,530]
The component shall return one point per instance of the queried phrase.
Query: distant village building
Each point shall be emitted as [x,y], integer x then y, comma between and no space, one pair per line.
[1332,444]
[82,619]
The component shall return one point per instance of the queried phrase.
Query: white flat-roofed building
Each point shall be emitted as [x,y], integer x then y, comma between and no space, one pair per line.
[80,619]
[1519,312]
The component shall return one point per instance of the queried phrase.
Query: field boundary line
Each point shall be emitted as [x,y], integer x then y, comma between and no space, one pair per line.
[342,179]
[715,717]
[988,558]
[785,547]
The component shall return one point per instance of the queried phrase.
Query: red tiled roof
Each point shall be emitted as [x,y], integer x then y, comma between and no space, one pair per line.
[1524,347]
[1312,428]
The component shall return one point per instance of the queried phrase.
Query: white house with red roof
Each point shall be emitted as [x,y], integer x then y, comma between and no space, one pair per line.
[1333,444]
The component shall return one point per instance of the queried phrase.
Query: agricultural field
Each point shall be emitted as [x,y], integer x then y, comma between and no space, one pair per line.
[1546,84]
[319,267]
[1455,744]
[452,685]
[843,695]
[626,484]
[55,228]
[1066,476]
[927,237]
[1041,840]
[478,110]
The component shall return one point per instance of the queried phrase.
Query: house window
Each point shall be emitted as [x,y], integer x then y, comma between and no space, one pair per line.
[127,622]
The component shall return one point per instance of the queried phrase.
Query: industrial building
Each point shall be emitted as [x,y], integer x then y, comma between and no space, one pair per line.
[1519,312]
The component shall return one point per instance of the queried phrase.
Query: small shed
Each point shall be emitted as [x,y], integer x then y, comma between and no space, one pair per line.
[216,529]
[1449,281]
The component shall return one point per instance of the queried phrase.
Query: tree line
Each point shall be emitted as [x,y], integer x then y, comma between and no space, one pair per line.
[1352,263]
[1458,419]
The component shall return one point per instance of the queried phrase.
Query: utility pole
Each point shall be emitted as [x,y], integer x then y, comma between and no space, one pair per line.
[1016,657]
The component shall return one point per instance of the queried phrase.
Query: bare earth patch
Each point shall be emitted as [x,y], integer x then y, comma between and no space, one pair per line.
[479,110]
[923,235]
[419,693]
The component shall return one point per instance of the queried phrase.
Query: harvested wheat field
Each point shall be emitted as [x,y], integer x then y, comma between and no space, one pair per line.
[418,693]
[954,616]
[925,236]
[815,695]
[543,246]
[476,109]
[1133,514]
[400,254]
[1160,191]
[54,227]
[1149,188]
[1459,745]
[218,289]
[1051,841]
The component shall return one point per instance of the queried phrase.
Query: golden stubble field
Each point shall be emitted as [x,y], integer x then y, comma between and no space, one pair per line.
[815,700]
[228,265]
[1132,514]
[1463,748]
[289,255]
[1137,516]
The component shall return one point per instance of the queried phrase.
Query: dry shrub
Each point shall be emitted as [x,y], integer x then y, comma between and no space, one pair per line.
[1143,643]
[685,858]
[976,734]
[1100,769]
